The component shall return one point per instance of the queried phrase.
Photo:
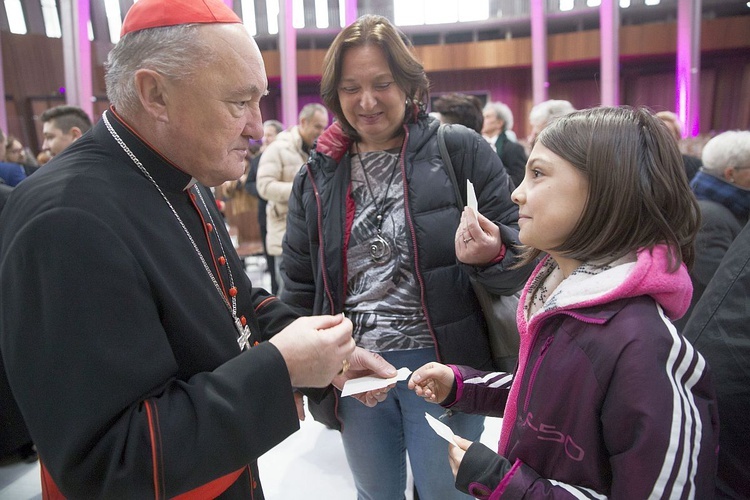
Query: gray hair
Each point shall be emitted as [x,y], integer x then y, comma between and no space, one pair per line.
[728,149]
[502,112]
[309,110]
[275,124]
[547,111]
[176,52]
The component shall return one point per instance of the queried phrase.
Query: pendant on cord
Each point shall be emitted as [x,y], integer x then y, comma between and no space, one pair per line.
[380,250]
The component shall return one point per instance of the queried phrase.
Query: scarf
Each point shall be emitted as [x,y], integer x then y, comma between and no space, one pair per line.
[711,188]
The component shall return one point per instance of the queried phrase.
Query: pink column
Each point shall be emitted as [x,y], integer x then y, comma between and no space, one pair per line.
[540,84]
[77,54]
[288,58]
[609,29]
[687,84]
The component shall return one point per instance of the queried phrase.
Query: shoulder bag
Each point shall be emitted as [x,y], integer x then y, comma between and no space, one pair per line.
[499,310]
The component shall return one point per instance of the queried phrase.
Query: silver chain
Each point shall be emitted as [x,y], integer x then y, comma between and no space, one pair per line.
[233,306]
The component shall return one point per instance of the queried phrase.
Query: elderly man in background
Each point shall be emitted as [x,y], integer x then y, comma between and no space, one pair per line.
[722,187]
[277,168]
[498,121]
[545,113]
[143,360]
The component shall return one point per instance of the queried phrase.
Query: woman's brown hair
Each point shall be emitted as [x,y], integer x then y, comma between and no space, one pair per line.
[376,31]
[638,193]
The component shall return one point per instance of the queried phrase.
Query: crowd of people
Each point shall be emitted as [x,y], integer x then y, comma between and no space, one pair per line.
[138,360]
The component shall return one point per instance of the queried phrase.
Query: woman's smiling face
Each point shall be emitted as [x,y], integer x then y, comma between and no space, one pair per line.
[370,99]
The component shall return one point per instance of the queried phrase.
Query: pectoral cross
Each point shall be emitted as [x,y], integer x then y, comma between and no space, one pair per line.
[244,339]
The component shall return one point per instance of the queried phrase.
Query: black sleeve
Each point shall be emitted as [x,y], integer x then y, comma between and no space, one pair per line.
[252,174]
[514,160]
[481,471]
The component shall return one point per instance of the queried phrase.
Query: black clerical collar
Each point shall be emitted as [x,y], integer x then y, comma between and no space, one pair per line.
[168,175]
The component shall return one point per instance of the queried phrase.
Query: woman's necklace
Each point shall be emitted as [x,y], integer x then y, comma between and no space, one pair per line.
[380,249]
[243,330]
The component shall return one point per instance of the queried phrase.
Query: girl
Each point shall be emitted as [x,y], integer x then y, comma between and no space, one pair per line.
[608,400]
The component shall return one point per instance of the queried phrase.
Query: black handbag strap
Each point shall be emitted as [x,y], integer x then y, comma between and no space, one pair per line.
[449,164]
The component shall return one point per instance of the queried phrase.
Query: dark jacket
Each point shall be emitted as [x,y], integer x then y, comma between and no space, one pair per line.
[319,222]
[719,330]
[719,227]
[513,156]
[608,399]
[121,353]
[5,192]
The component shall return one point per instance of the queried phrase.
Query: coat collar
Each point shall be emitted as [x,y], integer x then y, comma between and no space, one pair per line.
[167,175]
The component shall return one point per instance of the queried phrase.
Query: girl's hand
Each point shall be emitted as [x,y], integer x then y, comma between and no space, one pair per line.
[477,239]
[433,382]
[456,453]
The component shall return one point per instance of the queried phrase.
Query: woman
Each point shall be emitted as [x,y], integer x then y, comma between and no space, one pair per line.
[370,232]
[609,400]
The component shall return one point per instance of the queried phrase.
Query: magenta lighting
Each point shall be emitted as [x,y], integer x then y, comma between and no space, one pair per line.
[687,92]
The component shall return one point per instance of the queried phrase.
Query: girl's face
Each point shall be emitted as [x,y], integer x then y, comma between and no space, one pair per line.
[550,201]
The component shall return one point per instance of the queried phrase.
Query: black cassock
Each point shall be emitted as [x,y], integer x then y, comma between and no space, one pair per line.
[120,350]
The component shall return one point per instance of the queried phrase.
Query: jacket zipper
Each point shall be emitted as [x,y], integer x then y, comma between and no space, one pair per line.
[537,365]
[322,257]
[407,216]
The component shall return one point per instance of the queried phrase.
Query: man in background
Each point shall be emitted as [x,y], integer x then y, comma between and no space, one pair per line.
[672,121]
[545,113]
[277,168]
[10,173]
[62,126]
[464,109]
[271,129]
[498,121]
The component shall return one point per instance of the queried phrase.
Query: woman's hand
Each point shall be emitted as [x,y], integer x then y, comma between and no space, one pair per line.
[456,453]
[363,363]
[477,239]
[433,382]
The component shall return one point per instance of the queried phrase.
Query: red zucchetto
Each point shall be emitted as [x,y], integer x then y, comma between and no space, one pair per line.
[160,13]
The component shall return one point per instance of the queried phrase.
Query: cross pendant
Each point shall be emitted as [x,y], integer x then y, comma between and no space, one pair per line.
[244,339]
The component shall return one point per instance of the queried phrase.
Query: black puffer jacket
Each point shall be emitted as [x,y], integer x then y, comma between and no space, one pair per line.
[319,221]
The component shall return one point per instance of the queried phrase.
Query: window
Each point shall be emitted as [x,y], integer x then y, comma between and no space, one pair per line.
[51,19]
[248,17]
[114,19]
[417,12]
[16,19]
[272,10]
[321,13]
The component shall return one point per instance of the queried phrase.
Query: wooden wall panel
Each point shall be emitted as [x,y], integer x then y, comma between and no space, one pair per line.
[573,47]
[33,68]
[648,39]
[478,55]
[726,33]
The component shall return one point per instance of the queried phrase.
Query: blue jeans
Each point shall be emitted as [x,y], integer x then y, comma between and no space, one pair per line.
[376,440]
